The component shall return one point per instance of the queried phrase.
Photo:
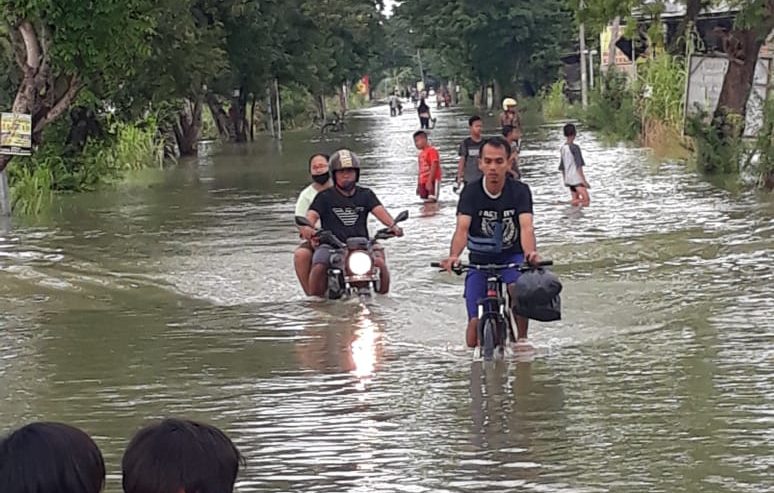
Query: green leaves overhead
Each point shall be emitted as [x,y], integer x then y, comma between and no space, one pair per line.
[513,42]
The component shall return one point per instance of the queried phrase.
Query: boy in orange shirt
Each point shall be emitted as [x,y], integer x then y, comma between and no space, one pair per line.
[429,183]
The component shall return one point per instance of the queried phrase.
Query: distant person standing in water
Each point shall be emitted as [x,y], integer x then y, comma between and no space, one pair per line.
[512,135]
[424,114]
[571,165]
[429,182]
[467,169]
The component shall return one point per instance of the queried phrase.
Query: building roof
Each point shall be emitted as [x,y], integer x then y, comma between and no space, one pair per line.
[673,9]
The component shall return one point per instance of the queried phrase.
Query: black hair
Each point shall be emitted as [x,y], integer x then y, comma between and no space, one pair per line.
[569,130]
[50,458]
[473,119]
[177,455]
[496,142]
[507,129]
[420,132]
[311,158]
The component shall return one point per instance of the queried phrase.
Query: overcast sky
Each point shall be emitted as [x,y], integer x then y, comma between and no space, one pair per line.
[388,4]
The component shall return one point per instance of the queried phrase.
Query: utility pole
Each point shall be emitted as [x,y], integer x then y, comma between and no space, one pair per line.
[279,110]
[5,195]
[584,81]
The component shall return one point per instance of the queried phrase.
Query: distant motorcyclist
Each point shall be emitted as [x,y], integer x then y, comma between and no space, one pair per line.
[343,210]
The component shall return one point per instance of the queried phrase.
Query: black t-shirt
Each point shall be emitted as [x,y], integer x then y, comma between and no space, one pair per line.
[346,217]
[485,212]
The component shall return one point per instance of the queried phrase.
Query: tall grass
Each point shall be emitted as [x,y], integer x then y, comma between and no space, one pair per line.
[54,167]
[554,101]
[661,84]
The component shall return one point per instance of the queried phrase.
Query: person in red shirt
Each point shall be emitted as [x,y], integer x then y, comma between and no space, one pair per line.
[429,183]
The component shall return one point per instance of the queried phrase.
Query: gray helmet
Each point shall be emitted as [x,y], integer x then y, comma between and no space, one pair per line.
[344,159]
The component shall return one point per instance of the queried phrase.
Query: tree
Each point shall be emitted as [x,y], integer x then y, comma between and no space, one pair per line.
[509,43]
[742,44]
[60,46]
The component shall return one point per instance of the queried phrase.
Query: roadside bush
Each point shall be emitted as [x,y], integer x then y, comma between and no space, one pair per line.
[54,167]
[554,101]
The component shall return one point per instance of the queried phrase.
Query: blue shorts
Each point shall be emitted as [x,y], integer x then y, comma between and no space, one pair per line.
[475,282]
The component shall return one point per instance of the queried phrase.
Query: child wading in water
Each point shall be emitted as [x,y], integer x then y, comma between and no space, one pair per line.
[571,166]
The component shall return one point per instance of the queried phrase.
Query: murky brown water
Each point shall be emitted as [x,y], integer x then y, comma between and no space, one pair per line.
[178,298]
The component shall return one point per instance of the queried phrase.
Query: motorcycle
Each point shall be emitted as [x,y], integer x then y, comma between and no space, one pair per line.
[352,269]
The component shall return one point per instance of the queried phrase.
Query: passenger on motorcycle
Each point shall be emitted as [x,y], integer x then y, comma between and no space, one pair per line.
[343,210]
[494,221]
[321,180]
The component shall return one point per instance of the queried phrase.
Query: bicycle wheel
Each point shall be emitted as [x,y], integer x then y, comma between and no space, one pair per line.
[489,336]
[327,128]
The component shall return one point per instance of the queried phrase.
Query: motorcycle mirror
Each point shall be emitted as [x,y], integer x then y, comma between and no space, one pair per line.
[402,217]
[302,221]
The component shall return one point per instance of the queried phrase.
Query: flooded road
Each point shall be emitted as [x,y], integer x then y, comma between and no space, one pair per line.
[179,298]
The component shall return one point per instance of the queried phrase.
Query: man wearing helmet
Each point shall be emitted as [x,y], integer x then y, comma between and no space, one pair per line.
[343,210]
[510,114]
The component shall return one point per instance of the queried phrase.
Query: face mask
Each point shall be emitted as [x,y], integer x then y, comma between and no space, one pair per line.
[321,179]
[348,186]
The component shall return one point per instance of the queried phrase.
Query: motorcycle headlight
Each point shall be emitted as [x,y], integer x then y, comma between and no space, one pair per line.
[360,263]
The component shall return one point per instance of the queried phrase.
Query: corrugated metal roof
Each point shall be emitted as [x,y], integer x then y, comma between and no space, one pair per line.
[677,9]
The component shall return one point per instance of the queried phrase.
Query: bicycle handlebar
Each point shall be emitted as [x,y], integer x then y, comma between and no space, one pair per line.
[459,269]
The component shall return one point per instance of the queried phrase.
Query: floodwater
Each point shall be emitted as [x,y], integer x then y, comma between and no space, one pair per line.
[175,295]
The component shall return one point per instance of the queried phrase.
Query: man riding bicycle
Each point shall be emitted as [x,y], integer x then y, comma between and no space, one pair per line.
[494,221]
[343,210]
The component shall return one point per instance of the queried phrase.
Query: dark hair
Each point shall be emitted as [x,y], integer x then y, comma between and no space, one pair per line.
[50,458]
[473,119]
[311,158]
[569,130]
[180,455]
[496,142]
[507,129]
[420,132]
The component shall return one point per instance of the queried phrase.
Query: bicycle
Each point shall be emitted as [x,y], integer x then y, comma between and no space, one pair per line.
[495,317]
[335,125]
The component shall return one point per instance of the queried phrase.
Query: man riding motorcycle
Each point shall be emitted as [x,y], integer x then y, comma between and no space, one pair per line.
[343,210]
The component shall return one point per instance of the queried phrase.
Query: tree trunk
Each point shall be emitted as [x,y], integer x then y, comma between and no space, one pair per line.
[238,116]
[42,93]
[680,41]
[742,48]
[343,99]
[497,93]
[220,116]
[252,119]
[188,128]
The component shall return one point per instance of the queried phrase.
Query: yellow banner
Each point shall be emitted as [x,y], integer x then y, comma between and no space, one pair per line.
[15,134]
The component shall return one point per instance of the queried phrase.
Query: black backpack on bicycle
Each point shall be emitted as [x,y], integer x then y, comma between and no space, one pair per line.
[537,296]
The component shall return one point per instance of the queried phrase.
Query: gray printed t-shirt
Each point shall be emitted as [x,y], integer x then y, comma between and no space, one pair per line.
[570,162]
[470,149]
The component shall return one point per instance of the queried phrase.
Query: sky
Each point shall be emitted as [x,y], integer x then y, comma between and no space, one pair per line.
[388,4]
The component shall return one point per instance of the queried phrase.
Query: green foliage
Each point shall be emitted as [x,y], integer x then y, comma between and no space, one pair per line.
[54,167]
[297,106]
[612,108]
[514,42]
[719,146]
[554,101]
[663,81]
[763,166]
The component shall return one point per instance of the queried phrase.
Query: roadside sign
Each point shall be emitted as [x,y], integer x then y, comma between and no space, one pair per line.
[15,134]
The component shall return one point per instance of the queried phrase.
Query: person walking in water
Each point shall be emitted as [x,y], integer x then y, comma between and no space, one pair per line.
[467,168]
[429,182]
[512,135]
[571,165]
[424,114]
